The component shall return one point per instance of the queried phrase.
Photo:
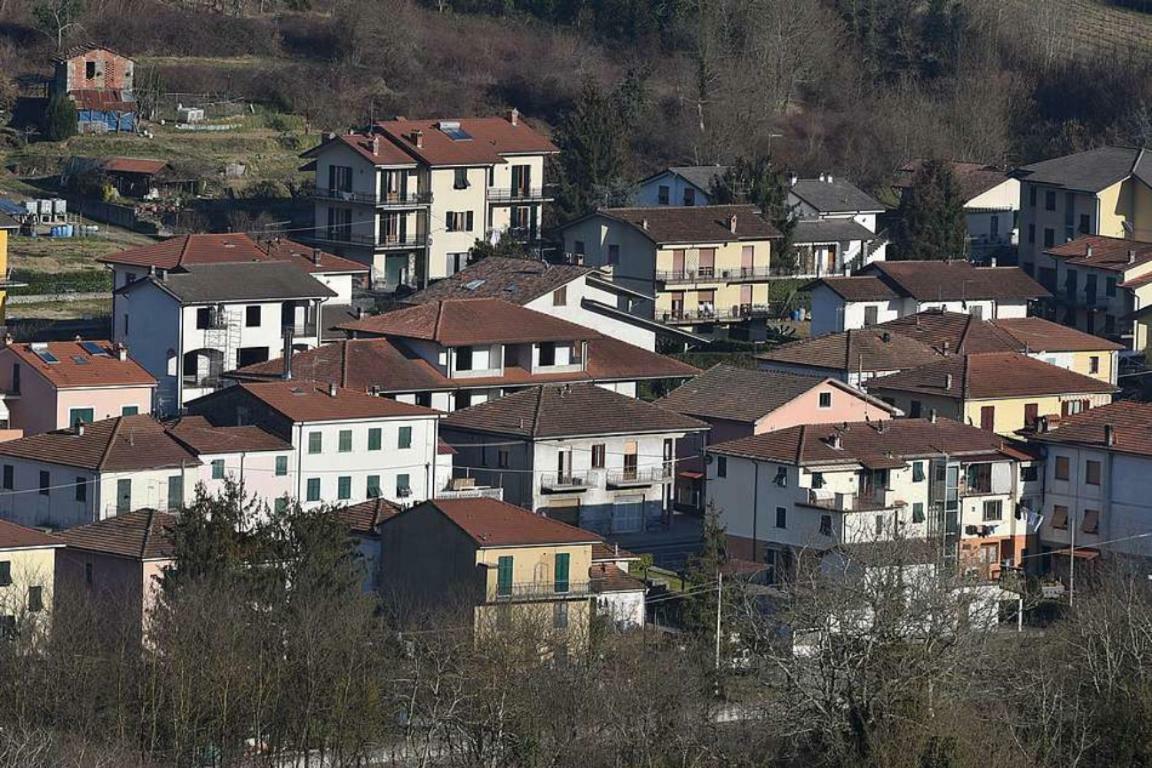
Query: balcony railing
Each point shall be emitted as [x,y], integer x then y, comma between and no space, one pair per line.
[471,493]
[513,194]
[384,199]
[709,315]
[407,241]
[541,590]
[560,483]
[203,382]
[851,502]
[302,329]
[715,274]
[622,478]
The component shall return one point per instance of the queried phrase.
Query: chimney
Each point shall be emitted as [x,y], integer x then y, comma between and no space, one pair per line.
[418,139]
[835,442]
[331,389]
[286,371]
[375,144]
[931,415]
[77,338]
[945,347]
[330,136]
[79,428]
[887,337]
[992,261]
[1041,425]
[1088,251]
[792,179]
[947,381]
[359,312]
[8,340]
[316,252]
[732,223]
[1109,435]
[823,177]
[121,352]
[1131,257]
[514,116]
[644,224]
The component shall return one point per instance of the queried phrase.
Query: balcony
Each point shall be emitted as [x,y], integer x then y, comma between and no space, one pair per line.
[212,381]
[870,501]
[394,242]
[519,194]
[302,329]
[638,478]
[567,483]
[733,314]
[542,590]
[701,275]
[382,200]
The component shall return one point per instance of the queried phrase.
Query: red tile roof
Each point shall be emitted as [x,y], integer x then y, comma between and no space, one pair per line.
[492,138]
[198,435]
[184,250]
[859,350]
[857,288]
[960,332]
[386,364]
[608,578]
[1131,424]
[303,401]
[974,179]
[569,410]
[462,322]
[380,151]
[872,443]
[990,375]
[1039,335]
[142,534]
[955,280]
[120,444]
[695,224]
[13,536]
[493,523]
[77,367]
[363,518]
[1115,254]
[134,165]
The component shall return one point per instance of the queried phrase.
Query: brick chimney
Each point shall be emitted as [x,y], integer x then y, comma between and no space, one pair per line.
[375,145]
[514,116]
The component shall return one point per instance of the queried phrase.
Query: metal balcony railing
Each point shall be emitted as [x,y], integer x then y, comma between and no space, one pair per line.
[512,194]
[567,482]
[541,590]
[708,314]
[383,199]
[471,493]
[636,477]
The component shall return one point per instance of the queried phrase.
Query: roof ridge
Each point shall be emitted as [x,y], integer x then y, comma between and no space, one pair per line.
[111,439]
[800,444]
[147,532]
[536,411]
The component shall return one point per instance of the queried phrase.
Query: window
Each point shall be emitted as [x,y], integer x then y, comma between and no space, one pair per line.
[1060,517]
[917,471]
[781,517]
[560,569]
[281,466]
[502,458]
[9,479]
[817,479]
[613,254]
[504,576]
[1091,522]
[340,178]
[458,221]
[825,525]
[993,510]
[978,478]
[313,491]
[45,482]
[547,353]
[1029,473]
[918,512]
[1063,468]
[80,416]
[35,599]
[125,323]
[1032,196]
[88,574]
[689,196]
[375,438]
[344,441]
[81,489]
[218,469]
[879,525]
[403,486]
[344,487]
[1049,200]
[1109,324]
[405,438]
[90,70]
[988,418]
[598,453]
[1094,364]
[1092,472]
[1049,237]
[825,399]
[460,178]
[1109,286]
[560,615]
[203,318]
[871,315]
[462,399]
[721,466]
[280,505]
[914,409]
[175,491]
[315,442]
[463,358]
[252,317]
[560,297]
[424,399]
[781,478]
[5,573]
[123,495]
[372,490]
[16,378]
[130,410]
[663,194]
[1085,223]
[1031,414]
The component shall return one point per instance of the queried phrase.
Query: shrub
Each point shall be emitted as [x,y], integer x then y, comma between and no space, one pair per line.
[60,118]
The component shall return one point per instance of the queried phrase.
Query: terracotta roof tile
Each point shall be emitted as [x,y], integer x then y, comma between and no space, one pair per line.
[864,349]
[134,165]
[184,250]
[990,375]
[198,435]
[1131,424]
[120,444]
[695,224]
[1039,335]
[609,578]
[953,332]
[303,401]
[974,179]
[857,288]
[492,138]
[518,281]
[77,367]
[380,151]
[143,534]
[1115,254]
[955,280]
[13,536]
[363,518]
[462,322]
[493,523]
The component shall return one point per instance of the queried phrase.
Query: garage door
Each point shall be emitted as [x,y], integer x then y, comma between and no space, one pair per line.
[628,514]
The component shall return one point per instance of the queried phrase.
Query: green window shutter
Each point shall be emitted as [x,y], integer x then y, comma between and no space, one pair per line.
[403,487]
[345,441]
[344,488]
[561,579]
[918,512]
[281,504]
[315,442]
[123,496]
[281,465]
[130,410]
[175,491]
[313,489]
[373,491]
[405,437]
[504,576]
[83,415]
[374,439]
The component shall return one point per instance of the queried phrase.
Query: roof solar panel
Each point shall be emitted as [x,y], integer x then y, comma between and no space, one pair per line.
[93,348]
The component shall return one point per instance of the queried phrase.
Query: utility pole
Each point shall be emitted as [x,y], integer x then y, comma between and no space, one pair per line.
[719,599]
[1072,555]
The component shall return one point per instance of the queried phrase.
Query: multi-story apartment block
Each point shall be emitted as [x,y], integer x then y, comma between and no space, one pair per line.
[817,488]
[886,290]
[1104,191]
[996,391]
[1097,485]
[705,266]
[410,198]
[453,353]
[55,384]
[577,453]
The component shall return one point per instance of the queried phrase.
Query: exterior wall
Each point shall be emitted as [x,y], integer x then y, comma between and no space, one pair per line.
[1096,312]
[1141,211]
[113,72]
[806,409]
[727,293]
[647,195]
[998,205]
[148,323]
[105,403]
[445,198]
[1035,219]
[365,177]
[1121,500]
[637,266]
[574,312]
[1010,412]
[255,471]
[31,567]
[500,214]
[1107,363]
[127,588]
[624,609]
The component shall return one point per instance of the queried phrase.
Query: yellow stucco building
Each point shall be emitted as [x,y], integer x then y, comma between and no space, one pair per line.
[27,571]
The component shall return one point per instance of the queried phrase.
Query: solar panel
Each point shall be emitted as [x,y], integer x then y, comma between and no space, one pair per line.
[94,349]
[41,351]
[79,360]
[455,132]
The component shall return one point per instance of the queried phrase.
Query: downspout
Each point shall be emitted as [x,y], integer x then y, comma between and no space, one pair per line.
[755,504]
[299,462]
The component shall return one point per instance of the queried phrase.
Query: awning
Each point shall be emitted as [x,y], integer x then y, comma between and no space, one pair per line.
[691,475]
[881,462]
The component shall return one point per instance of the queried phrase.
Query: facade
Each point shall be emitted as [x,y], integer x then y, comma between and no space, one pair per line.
[497,567]
[997,391]
[991,206]
[739,402]
[704,265]
[885,291]
[53,385]
[827,242]
[1105,191]
[410,198]
[118,563]
[1097,486]
[27,577]
[683,186]
[347,446]
[819,488]
[102,84]
[8,228]
[576,453]
[1102,286]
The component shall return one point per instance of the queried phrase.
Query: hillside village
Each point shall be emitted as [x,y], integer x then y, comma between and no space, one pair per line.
[397,432]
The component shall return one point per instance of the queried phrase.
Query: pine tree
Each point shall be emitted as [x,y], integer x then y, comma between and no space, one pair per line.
[699,609]
[759,182]
[60,118]
[932,224]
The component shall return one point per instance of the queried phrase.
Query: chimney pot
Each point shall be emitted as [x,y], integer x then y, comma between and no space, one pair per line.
[80,428]
[947,381]
[331,389]
[316,253]
[932,415]
[375,145]
[792,179]
[286,370]
[514,116]
[121,352]
[1088,251]
[7,339]
[418,139]
[1131,256]
[945,347]
[644,224]
[1109,435]
[732,223]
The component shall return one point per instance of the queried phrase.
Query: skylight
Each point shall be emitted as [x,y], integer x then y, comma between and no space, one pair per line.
[453,131]
[472,285]
[40,349]
[93,349]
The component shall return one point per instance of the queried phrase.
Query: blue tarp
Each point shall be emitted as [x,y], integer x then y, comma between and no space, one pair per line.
[114,120]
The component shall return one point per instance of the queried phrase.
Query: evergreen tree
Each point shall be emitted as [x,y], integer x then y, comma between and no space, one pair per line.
[214,539]
[759,182]
[932,224]
[60,118]
[699,609]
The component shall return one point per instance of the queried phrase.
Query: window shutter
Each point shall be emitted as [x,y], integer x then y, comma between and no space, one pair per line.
[562,563]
